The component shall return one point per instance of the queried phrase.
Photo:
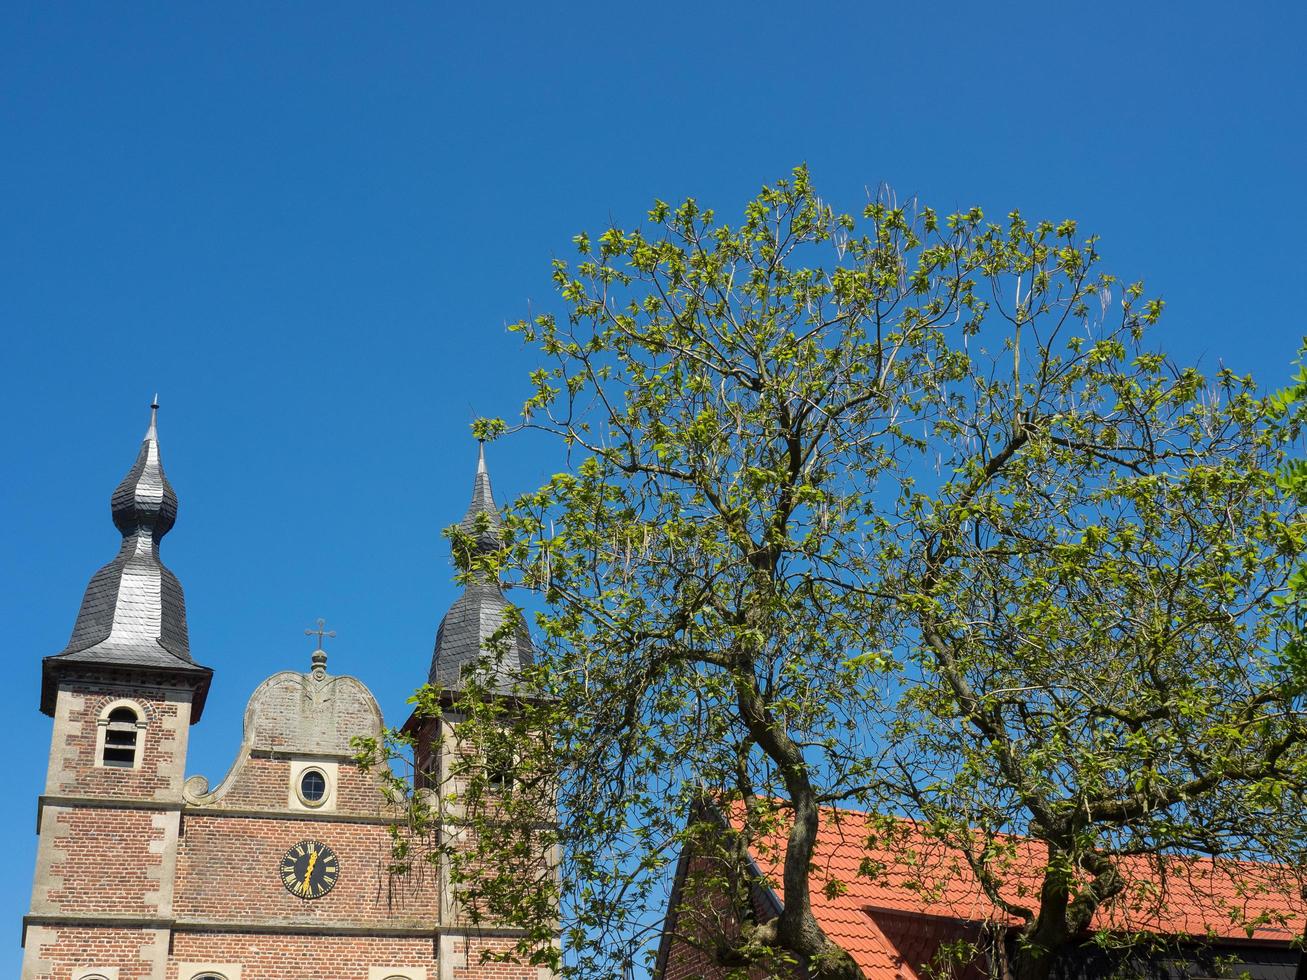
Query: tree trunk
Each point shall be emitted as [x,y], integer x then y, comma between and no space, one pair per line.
[832,962]
[1029,964]
[1041,940]
[797,930]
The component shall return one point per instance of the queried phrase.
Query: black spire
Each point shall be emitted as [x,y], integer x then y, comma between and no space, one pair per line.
[482,521]
[133,615]
[481,611]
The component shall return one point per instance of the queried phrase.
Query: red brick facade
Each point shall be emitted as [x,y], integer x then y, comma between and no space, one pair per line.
[142,875]
[701,919]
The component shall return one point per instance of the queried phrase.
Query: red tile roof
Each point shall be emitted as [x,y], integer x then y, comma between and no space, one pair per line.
[890,895]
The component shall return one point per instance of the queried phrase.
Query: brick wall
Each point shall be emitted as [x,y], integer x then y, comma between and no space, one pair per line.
[278,957]
[199,881]
[59,953]
[101,859]
[227,869]
[261,957]
[263,784]
[73,770]
[108,836]
[701,917]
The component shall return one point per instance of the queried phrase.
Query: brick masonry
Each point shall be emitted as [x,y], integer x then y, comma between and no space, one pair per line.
[701,918]
[146,876]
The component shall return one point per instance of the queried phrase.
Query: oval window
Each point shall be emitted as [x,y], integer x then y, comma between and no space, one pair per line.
[313,787]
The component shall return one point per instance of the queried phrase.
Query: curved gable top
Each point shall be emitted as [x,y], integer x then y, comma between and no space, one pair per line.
[292,713]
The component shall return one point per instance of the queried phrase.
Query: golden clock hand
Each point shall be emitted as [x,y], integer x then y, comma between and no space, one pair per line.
[308,871]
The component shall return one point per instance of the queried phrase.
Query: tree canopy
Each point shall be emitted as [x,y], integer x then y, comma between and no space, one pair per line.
[892,510]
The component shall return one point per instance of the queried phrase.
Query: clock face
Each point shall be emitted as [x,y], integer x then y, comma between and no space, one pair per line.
[309,869]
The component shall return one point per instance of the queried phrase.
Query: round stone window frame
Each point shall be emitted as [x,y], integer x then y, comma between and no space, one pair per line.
[326,787]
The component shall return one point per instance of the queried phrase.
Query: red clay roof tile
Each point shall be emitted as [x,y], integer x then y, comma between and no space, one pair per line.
[900,893]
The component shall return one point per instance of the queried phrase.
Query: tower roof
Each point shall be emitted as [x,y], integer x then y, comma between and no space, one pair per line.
[465,637]
[133,615]
[482,520]
[468,632]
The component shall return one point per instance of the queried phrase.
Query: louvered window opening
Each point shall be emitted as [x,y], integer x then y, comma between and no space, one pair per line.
[120,739]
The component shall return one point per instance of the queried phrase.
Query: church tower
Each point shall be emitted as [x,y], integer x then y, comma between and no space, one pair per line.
[282,869]
[478,633]
[481,611]
[474,623]
[123,694]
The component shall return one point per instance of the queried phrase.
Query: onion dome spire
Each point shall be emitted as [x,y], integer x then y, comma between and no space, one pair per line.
[144,502]
[133,616]
[470,630]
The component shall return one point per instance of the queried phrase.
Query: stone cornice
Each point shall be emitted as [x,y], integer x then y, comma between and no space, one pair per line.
[106,920]
[190,810]
[307,815]
[285,755]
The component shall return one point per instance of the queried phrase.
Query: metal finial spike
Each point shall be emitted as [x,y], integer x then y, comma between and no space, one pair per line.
[154,402]
[481,456]
[153,431]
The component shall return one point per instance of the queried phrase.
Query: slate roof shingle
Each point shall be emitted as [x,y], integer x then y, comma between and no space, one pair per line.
[466,631]
[133,615]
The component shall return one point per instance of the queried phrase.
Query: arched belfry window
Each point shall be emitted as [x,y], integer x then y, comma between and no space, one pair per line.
[120,736]
[499,765]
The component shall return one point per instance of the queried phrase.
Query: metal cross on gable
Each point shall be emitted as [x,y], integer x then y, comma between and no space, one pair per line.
[320,632]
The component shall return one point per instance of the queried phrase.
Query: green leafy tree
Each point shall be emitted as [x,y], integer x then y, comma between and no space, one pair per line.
[1292,404]
[895,511]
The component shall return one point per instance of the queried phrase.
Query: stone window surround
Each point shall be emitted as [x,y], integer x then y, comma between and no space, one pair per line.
[315,801]
[193,971]
[397,973]
[102,729]
[97,973]
[299,765]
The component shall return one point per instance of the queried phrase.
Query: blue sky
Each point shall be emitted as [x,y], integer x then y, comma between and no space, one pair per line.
[306,226]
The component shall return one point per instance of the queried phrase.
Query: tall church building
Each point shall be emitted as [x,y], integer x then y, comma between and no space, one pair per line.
[276,871]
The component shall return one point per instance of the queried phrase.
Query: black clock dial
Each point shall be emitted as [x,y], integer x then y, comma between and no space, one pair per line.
[309,869]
